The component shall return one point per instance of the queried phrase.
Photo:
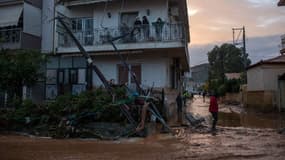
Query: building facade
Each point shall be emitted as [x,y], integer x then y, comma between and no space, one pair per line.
[198,77]
[20,24]
[157,52]
[266,84]
[20,28]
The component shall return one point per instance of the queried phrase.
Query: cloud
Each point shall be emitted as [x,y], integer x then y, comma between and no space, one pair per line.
[258,48]
[212,21]
[259,3]
[264,21]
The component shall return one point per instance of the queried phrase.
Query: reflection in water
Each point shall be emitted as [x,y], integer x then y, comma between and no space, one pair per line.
[251,119]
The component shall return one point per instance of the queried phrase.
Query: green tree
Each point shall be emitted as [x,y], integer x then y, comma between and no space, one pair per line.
[225,59]
[20,68]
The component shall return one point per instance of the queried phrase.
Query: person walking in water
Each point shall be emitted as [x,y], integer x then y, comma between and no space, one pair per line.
[214,109]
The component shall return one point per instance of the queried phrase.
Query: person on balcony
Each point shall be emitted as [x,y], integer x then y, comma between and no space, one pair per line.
[145,23]
[137,29]
[124,28]
[158,28]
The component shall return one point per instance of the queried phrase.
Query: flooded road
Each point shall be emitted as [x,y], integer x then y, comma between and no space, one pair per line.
[236,116]
[230,143]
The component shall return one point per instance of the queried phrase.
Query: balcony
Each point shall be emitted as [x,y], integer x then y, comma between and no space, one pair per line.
[143,37]
[10,38]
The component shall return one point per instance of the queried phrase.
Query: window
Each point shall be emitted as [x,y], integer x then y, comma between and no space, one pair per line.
[129,18]
[82,24]
[83,30]
[124,76]
[136,69]
[76,25]
[73,73]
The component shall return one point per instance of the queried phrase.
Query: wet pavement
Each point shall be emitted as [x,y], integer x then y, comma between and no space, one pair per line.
[236,139]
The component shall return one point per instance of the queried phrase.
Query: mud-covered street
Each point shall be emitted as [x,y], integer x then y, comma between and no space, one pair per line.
[243,140]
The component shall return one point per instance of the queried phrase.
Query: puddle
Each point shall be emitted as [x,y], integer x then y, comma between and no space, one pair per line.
[250,119]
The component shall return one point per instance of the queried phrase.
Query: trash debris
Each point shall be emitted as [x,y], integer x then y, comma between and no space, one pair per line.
[194,121]
[282,131]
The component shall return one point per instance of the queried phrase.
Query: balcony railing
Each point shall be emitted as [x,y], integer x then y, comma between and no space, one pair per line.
[10,36]
[142,34]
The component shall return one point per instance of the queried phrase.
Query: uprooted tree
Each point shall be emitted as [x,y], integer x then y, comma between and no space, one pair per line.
[20,68]
[225,59]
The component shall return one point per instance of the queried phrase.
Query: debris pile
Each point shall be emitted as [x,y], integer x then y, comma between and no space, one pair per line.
[91,114]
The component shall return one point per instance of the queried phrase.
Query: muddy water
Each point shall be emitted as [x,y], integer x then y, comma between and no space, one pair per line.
[233,116]
[230,143]
[250,119]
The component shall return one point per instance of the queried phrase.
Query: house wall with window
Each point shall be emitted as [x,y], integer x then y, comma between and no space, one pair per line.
[143,67]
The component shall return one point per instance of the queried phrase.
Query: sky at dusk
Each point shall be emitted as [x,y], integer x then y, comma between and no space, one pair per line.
[211,23]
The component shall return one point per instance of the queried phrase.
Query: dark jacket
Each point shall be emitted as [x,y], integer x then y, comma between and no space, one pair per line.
[179,102]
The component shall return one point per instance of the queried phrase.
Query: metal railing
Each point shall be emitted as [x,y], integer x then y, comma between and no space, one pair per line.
[144,33]
[10,36]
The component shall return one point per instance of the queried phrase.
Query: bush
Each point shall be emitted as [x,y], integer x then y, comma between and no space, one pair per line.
[222,90]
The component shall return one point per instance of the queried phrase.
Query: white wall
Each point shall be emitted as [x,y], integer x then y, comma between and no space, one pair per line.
[81,11]
[255,79]
[109,70]
[264,77]
[47,26]
[154,70]
[157,9]
[32,20]
[270,76]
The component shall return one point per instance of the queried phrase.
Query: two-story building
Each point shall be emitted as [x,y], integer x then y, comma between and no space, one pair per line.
[20,28]
[157,52]
[20,24]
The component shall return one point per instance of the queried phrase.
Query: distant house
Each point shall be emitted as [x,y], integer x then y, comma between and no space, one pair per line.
[230,76]
[266,84]
[198,76]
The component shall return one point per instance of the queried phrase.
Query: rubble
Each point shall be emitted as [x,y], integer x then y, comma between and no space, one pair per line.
[282,131]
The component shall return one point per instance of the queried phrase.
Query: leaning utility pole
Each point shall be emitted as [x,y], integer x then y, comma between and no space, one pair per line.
[237,42]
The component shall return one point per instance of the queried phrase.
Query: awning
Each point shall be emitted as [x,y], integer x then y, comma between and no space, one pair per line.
[9,15]
[85,2]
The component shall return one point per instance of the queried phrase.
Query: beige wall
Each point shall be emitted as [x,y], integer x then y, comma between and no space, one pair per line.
[270,76]
[262,86]
[262,100]
[264,77]
[255,79]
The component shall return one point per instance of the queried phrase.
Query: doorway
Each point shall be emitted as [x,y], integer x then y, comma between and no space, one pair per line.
[281,82]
